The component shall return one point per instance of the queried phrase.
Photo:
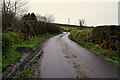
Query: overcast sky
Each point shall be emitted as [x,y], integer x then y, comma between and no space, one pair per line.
[95,12]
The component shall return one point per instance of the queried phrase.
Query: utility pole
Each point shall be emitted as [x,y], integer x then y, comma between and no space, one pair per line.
[69,21]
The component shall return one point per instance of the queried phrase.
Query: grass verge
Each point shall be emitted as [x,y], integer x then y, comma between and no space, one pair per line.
[110,55]
[11,55]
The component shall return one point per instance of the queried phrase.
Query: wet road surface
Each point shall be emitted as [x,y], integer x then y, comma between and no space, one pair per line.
[64,58]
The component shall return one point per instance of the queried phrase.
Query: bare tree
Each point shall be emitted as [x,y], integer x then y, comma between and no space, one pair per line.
[50,18]
[41,18]
[14,6]
[82,22]
[11,10]
[47,18]
[38,17]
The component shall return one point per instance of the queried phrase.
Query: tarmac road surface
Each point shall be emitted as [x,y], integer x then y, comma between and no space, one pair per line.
[63,58]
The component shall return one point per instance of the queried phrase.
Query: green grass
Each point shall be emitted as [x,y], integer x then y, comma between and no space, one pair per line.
[67,28]
[11,55]
[97,50]
[27,70]
[110,57]
[113,58]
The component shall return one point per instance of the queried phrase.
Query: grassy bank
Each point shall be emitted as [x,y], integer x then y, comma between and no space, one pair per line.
[10,55]
[99,45]
[26,31]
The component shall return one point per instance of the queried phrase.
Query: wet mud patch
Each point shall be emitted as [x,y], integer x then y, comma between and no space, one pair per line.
[27,56]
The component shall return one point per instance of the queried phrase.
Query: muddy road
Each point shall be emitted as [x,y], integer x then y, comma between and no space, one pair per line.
[64,58]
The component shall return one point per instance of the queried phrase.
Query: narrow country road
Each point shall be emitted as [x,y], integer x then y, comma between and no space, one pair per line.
[64,58]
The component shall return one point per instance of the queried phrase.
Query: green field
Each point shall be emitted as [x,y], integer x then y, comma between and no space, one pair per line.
[68,28]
